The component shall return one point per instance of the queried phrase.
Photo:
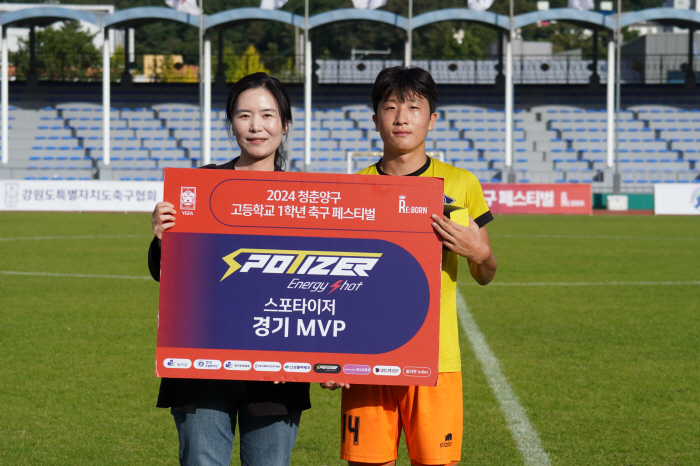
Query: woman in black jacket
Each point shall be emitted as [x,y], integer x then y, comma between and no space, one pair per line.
[258,115]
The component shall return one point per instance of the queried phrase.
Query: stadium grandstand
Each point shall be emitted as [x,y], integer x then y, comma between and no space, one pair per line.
[560,134]
[560,130]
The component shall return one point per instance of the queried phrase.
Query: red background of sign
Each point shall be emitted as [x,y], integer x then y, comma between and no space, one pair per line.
[380,193]
[579,193]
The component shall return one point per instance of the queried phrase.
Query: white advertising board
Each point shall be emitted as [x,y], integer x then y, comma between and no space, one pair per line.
[80,196]
[677,199]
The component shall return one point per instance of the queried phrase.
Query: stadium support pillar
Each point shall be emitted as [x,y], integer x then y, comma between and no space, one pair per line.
[5,100]
[220,78]
[308,70]
[132,48]
[201,82]
[206,118]
[32,77]
[500,77]
[106,103]
[308,76]
[690,80]
[408,52]
[32,49]
[126,75]
[594,80]
[611,103]
[619,38]
[509,109]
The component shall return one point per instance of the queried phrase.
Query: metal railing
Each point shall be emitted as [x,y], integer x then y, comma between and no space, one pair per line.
[149,68]
[62,66]
[527,69]
[657,69]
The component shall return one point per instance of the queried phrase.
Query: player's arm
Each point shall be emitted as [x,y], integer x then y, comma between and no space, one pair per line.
[471,242]
[484,272]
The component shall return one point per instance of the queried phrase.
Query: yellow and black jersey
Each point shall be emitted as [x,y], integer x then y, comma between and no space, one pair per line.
[462,189]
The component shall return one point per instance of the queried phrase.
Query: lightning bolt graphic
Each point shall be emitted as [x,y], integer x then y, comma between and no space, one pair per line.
[335,286]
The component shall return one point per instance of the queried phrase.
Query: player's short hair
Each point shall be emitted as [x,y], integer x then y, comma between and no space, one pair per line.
[276,88]
[404,83]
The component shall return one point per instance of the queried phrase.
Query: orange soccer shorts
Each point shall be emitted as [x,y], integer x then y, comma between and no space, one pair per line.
[431,417]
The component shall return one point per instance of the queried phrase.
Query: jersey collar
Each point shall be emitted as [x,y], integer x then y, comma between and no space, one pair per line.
[418,172]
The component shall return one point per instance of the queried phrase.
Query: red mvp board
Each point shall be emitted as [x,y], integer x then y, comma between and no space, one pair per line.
[300,277]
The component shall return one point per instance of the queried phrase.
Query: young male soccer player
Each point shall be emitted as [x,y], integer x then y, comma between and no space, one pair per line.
[404,101]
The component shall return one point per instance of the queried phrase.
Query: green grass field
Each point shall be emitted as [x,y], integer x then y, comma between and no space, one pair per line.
[603,356]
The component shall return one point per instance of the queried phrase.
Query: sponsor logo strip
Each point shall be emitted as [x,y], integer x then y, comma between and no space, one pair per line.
[327,368]
[238,365]
[267,366]
[412,371]
[208,364]
[297,367]
[387,370]
[174,363]
[357,369]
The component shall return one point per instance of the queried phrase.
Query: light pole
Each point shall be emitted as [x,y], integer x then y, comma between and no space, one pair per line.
[106,98]
[308,70]
[5,100]
[618,92]
[408,53]
[201,83]
[509,99]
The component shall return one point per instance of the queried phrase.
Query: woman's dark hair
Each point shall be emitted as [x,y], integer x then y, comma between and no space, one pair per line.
[254,81]
[405,83]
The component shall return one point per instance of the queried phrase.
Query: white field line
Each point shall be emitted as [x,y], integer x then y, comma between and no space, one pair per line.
[36,238]
[626,238]
[73,275]
[524,434]
[592,284]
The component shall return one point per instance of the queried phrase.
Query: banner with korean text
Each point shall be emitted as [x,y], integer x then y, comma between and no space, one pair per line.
[300,277]
[80,195]
[539,198]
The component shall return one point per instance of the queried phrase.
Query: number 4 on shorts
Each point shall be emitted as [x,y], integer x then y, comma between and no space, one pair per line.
[355,431]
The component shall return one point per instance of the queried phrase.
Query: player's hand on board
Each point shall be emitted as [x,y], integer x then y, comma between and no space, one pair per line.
[163,217]
[465,241]
[334,386]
